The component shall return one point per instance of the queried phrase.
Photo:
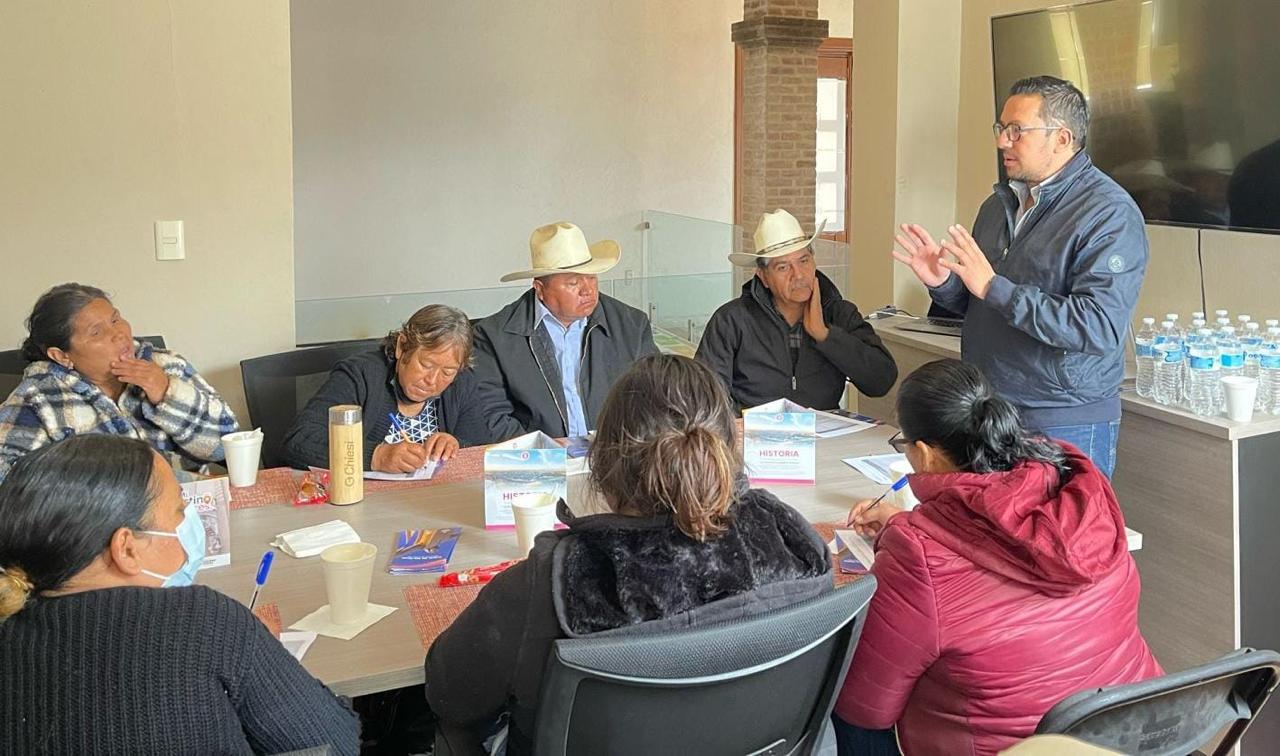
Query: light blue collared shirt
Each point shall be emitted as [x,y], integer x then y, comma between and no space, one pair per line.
[567,341]
[1022,191]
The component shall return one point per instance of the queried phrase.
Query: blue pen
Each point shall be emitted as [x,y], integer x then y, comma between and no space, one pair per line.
[395,423]
[902,482]
[264,567]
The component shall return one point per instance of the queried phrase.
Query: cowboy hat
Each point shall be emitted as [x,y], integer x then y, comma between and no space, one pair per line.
[562,248]
[778,234]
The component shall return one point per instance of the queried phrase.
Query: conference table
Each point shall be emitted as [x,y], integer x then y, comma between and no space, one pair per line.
[389,654]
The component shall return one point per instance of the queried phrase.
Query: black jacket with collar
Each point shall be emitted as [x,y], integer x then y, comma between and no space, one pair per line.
[516,359]
[365,380]
[745,343]
[611,573]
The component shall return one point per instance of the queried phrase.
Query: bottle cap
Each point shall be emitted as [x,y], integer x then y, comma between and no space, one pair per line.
[345,414]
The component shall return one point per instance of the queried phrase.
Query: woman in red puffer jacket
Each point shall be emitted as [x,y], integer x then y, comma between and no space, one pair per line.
[1007,589]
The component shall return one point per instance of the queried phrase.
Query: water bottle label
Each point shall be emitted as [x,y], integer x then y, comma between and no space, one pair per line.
[1233,360]
[1270,362]
[1202,363]
[1159,339]
[1146,350]
[1173,355]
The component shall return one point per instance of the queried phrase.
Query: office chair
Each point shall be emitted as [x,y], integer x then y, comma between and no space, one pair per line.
[1174,714]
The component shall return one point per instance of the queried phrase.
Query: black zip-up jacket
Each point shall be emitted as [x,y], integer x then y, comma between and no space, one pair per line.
[745,343]
[515,359]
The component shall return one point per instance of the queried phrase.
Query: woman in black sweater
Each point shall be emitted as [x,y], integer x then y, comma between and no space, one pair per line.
[98,658]
[421,373]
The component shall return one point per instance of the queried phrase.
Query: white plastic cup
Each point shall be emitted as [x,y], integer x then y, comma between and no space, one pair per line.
[903,498]
[243,450]
[348,575]
[1241,391]
[534,513]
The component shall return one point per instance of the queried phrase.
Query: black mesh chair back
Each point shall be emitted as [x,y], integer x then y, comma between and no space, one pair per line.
[1175,714]
[12,365]
[762,685]
[277,386]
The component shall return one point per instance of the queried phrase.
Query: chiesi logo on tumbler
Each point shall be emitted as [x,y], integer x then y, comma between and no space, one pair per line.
[190,534]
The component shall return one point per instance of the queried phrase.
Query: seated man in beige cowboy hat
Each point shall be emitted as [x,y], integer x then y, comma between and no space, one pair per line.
[791,334]
[555,352]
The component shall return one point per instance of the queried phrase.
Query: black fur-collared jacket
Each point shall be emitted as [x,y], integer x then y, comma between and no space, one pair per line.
[612,573]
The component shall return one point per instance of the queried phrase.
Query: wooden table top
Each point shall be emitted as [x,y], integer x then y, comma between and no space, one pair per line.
[389,654]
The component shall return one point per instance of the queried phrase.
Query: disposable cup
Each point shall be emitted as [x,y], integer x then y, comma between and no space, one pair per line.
[534,513]
[243,451]
[1241,391]
[348,573]
[903,498]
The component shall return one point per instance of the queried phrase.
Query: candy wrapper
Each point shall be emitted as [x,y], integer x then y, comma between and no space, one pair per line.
[314,489]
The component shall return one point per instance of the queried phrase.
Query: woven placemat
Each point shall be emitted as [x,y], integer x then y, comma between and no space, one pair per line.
[434,608]
[270,616]
[273,486]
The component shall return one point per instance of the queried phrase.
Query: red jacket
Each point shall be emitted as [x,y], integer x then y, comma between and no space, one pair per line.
[999,596]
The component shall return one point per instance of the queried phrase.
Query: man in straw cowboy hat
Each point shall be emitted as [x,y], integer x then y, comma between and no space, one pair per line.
[555,352]
[791,334]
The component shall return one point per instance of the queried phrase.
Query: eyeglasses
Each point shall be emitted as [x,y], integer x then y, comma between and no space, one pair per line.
[1014,131]
[899,443]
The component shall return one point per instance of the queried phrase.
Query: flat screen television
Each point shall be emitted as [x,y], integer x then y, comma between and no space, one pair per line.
[1184,97]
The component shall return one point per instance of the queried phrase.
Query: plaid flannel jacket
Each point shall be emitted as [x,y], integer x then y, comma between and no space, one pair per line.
[52,403]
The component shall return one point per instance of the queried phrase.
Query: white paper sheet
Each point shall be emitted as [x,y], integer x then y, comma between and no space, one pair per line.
[297,643]
[422,473]
[876,466]
[830,425]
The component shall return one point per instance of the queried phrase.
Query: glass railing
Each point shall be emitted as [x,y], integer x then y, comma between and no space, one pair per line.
[687,276]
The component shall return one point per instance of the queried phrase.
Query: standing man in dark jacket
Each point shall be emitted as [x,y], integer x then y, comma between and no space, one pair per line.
[1049,278]
[791,335]
[555,352]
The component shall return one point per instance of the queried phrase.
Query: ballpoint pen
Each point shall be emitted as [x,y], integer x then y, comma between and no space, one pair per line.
[264,567]
[395,423]
[898,486]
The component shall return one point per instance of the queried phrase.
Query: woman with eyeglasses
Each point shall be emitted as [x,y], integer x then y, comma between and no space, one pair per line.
[105,645]
[1008,588]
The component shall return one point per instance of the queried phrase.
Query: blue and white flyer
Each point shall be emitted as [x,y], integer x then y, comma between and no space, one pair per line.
[779,443]
[532,463]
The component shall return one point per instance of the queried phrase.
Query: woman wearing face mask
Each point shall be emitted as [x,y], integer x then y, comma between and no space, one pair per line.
[1008,588]
[86,374]
[97,658]
[420,374]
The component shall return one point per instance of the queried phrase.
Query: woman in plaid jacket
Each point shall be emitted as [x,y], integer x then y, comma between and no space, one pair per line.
[86,374]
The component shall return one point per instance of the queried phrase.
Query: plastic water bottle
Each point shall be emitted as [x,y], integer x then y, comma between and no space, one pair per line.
[1221,314]
[1193,333]
[1241,322]
[1252,343]
[1204,379]
[1144,346]
[1221,324]
[1273,323]
[1232,353]
[1197,315]
[1168,388]
[1269,373]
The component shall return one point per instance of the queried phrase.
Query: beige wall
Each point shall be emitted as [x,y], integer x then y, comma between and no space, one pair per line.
[431,138]
[839,17]
[119,114]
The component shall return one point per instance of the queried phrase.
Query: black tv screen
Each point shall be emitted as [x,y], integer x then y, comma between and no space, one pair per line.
[1184,98]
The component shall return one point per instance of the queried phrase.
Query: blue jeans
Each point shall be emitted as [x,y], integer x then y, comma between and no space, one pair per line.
[852,740]
[1097,441]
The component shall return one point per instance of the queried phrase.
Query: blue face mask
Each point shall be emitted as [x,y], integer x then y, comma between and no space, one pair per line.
[190,534]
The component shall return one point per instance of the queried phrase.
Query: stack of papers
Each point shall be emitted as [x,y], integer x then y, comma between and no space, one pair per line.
[418,551]
[305,542]
[832,424]
[855,552]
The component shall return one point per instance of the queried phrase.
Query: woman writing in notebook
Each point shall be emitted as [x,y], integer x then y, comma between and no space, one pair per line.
[420,399]
[1008,588]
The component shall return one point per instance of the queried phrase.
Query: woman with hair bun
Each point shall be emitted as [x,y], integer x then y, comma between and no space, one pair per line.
[1008,588]
[86,374]
[686,544]
[105,644]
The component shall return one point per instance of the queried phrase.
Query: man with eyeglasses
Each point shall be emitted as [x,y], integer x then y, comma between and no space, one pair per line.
[1049,277]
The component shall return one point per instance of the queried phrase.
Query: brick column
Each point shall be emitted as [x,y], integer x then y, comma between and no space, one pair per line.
[779,41]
